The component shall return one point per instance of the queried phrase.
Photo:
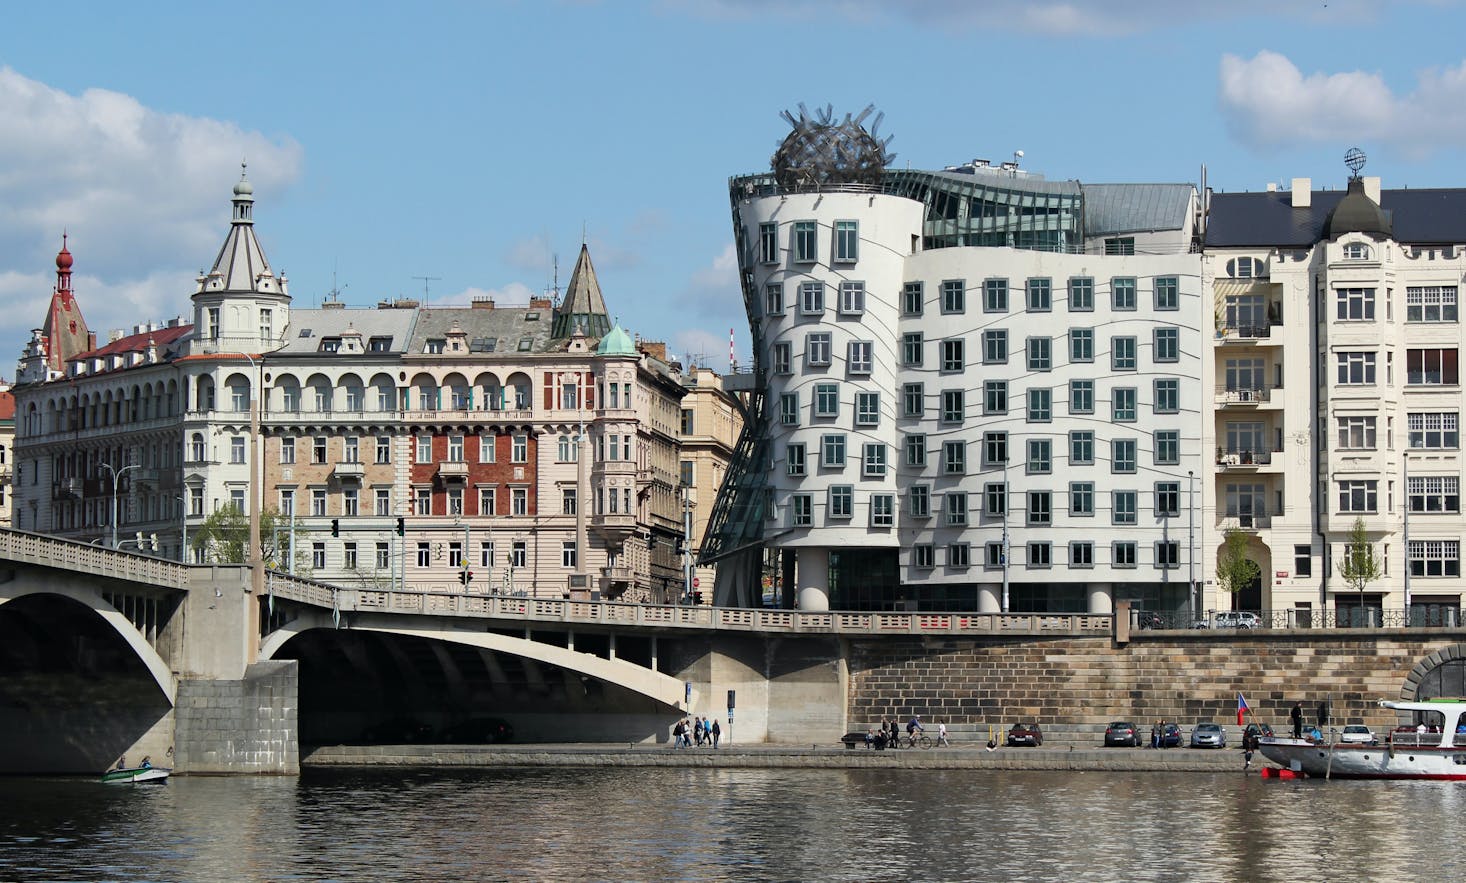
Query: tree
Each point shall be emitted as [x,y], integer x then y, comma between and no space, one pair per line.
[224,538]
[1235,571]
[1361,565]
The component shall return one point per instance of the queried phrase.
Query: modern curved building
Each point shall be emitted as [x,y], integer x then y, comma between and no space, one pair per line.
[975,389]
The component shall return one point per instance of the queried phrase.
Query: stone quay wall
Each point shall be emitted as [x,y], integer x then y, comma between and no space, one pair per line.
[974,683]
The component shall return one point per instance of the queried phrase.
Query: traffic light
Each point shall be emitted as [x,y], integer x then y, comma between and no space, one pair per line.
[651,543]
[465,576]
[697,598]
[681,546]
[335,527]
[401,525]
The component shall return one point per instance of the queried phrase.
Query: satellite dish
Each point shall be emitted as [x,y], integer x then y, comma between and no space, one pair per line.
[1354,158]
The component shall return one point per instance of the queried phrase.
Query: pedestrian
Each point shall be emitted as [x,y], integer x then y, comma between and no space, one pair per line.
[1296,716]
[1155,735]
[1249,744]
[677,735]
[717,732]
[942,735]
[697,731]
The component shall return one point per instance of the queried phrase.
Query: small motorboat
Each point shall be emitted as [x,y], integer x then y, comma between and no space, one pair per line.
[124,775]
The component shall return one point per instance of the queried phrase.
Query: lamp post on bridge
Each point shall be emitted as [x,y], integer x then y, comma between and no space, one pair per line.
[116,480]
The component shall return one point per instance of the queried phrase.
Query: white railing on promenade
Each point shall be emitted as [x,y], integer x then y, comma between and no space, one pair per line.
[33,548]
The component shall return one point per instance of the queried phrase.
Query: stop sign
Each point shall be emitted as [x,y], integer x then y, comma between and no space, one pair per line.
[694,582]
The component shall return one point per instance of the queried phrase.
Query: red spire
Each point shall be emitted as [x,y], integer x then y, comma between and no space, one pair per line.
[63,267]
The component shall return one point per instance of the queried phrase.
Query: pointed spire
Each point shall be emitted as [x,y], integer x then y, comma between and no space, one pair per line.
[583,305]
[65,331]
[244,197]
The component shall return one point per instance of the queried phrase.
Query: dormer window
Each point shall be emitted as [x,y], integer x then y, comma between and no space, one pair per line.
[1246,268]
[1356,251]
[525,343]
[435,346]
[379,344]
[330,345]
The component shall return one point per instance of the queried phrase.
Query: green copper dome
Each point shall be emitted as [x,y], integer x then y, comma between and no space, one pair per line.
[616,343]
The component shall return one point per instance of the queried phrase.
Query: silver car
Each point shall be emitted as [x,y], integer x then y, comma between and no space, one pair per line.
[1358,734]
[1208,736]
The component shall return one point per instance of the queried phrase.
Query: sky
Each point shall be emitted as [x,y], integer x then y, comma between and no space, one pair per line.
[477,143]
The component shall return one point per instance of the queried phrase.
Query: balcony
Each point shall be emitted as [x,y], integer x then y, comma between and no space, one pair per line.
[349,470]
[66,487]
[453,470]
[614,528]
[614,467]
[616,574]
[1243,460]
[1244,521]
[1243,396]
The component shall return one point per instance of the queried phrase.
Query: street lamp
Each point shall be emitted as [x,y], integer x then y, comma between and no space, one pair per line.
[116,477]
[1191,539]
[183,511]
[256,550]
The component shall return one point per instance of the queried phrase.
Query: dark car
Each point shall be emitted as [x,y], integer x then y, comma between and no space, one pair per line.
[479,731]
[1026,734]
[1170,736]
[1122,733]
[1255,729]
[399,731]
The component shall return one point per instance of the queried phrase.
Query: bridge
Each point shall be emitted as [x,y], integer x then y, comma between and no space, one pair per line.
[105,654]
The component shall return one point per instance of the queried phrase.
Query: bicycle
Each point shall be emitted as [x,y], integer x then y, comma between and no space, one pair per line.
[918,739]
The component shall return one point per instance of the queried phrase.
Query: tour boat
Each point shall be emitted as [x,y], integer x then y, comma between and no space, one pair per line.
[135,775]
[1439,753]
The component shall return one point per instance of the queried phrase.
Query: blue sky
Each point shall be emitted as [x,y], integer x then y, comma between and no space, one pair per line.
[474,141]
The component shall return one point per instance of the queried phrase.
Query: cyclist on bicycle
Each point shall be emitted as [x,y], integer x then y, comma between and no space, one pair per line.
[914,726]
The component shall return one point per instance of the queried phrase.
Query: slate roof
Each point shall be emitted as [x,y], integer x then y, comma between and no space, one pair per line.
[1241,220]
[396,324]
[505,326]
[1135,208]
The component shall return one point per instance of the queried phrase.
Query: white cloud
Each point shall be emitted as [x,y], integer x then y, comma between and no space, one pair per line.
[511,294]
[1268,101]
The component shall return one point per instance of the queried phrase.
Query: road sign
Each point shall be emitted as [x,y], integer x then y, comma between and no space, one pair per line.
[694,582]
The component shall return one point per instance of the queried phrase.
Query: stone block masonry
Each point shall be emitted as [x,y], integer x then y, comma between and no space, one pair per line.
[243,726]
[1089,681]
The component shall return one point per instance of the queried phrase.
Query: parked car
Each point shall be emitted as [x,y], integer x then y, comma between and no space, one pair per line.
[1025,734]
[1358,734]
[1170,736]
[1122,733]
[1149,619]
[479,730]
[1229,619]
[399,731]
[1208,736]
[1258,730]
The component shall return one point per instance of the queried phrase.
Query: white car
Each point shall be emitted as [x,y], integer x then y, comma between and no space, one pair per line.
[1229,619]
[1358,734]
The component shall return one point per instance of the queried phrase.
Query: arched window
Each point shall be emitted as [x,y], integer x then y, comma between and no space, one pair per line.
[196,448]
[1356,251]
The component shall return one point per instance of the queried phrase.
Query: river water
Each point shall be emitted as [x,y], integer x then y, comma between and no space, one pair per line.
[709,824]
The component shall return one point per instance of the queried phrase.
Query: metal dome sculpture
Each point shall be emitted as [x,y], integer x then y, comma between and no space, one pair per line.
[821,150]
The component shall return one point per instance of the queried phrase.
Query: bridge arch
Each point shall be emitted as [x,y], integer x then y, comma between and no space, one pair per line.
[1439,675]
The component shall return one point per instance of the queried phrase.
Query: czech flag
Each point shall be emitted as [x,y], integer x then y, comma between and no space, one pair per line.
[1242,708]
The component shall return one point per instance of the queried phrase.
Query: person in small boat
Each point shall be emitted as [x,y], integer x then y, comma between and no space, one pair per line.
[147,763]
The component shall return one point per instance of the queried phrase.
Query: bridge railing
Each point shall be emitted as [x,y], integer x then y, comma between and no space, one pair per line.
[16,545]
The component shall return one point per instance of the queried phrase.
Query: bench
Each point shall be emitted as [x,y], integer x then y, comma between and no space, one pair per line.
[853,740]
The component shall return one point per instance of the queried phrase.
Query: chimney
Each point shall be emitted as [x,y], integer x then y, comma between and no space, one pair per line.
[657,349]
[1371,188]
[1302,193]
[540,303]
[333,305]
[482,303]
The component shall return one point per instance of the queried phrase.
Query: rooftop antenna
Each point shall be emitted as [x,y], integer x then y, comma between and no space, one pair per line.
[335,293]
[425,281]
[555,277]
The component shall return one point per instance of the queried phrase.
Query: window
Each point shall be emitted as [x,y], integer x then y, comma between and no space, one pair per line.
[995,296]
[1167,554]
[794,459]
[913,399]
[212,323]
[1302,561]
[959,555]
[783,357]
[954,357]
[995,448]
[1124,507]
[995,556]
[1124,553]
[1081,447]
[424,554]
[1167,344]
[826,400]
[789,408]
[847,241]
[1081,294]
[867,409]
[519,449]
[1433,303]
[1040,509]
[382,501]
[1122,455]
[841,501]
[1122,293]
[1040,456]
[1168,396]
[920,501]
[799,510]
[995,347]
[1246,268]
[914,448]
[1040,295]
[567,553]
[912,299]
[1358,496]
[1167,499]
[1040,353]
[923,555]
[1081,397]
[806,248]
[486,501]
[1122,353]
[519,501]
[455,450]
[1123,408]
[1435,558]
[1081,498]
[832,451]
[852,298]
[1356,251]
[1355,304]
[1167,293]
[287,501]
[1434,493]
[953,458]
[383,557]
[954,296]
[911,349]
[1081,344]
[953,405]
[318,556]
[1120,245]
[811,298]
[455,554]
[995,500]
[774,299]
[519,554]
[196,449]
[995,397]
[954,508]
[1434,430]
[424,449]
[1356,433]
[768,243]
[565,449]
[1040,405]
[858,357]
[817,349]
[422,501]
[1081,554]
[1431,367]
[1040,554]
[1167,447]
[873,460]
[882,510]
[236,449]
[1356,368]
[351,502]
